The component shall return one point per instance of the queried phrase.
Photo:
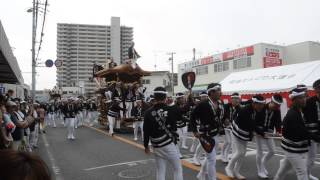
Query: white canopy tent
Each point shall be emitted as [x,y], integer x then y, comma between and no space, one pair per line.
[271,80]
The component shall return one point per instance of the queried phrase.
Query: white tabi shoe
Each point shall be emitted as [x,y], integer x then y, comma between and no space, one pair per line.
[184,147]
[239,176]
[229,172]
[196,162]
[313,177]
[262,175]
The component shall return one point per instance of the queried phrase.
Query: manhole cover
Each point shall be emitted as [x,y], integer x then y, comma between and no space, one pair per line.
[138,172]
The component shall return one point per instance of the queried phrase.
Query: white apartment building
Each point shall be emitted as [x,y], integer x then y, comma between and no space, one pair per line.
[158,78]
[216,67]
[79,46]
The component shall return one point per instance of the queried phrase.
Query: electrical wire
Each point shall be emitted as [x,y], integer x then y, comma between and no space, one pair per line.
[42,28]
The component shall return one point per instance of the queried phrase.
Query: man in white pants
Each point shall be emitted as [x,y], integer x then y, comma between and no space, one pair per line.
[34,134]
[129,101]
[266,125]
[242,133]
[91,109]
[231,112]
[69,111]
[160,127]
[196,147]
[296,138]
[208,115]
[312,114]
[51,115]
[113,114]
[138,114]
[181,108]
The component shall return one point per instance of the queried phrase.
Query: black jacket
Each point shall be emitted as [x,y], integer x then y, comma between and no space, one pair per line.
[114,110]
[182,111]
[312,115]
[296,138]
[51,108]
[270,120]
[244,125]
[204,120]
[69,110]
[138,112]
[91,107]
[230,114]
[163,114]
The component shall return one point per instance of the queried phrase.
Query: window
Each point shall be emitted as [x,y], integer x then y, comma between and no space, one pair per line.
[164,82]
[202,70]
[145,81]
[223,66]
[243,62]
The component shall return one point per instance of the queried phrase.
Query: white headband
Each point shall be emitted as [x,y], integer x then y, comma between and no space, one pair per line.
[179,96]
[203,95]
[275,101]
[258,101]
[160,92]
[302,87]
[295,94]
[213,88]
[235,96]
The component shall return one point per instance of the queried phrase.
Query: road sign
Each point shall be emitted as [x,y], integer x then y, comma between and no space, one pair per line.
[49,63]
[58,63]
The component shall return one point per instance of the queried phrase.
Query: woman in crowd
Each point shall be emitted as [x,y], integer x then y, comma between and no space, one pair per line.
[16,165]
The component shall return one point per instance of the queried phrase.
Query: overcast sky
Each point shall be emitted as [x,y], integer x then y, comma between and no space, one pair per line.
[162,26]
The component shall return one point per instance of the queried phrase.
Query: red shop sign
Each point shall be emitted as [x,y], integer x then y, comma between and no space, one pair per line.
[247,51]
[206,60]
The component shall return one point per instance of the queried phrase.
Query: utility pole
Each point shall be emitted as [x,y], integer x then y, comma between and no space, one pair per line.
[171,59]
[34,28]
[194,54]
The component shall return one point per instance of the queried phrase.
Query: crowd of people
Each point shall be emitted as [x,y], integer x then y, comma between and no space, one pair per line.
[22,121]
[166,123]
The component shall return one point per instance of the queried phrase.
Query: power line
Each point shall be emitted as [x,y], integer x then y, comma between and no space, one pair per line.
[36,13]
[42,28]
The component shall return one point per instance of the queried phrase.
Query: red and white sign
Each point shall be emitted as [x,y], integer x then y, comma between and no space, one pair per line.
[211,59]
[271,62]
[272,58]
[247,51]
[206,60]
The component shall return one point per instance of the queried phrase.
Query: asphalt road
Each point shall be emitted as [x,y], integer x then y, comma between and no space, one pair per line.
[94,155]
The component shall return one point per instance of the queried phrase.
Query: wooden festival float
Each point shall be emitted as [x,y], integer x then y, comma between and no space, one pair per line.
[55,94]
[124,75]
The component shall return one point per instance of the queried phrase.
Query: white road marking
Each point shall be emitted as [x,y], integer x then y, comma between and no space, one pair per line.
[131,163]
[54,167]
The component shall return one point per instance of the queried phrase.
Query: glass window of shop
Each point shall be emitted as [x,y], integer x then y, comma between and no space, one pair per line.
[242,62]
[222,66]
[202,70]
